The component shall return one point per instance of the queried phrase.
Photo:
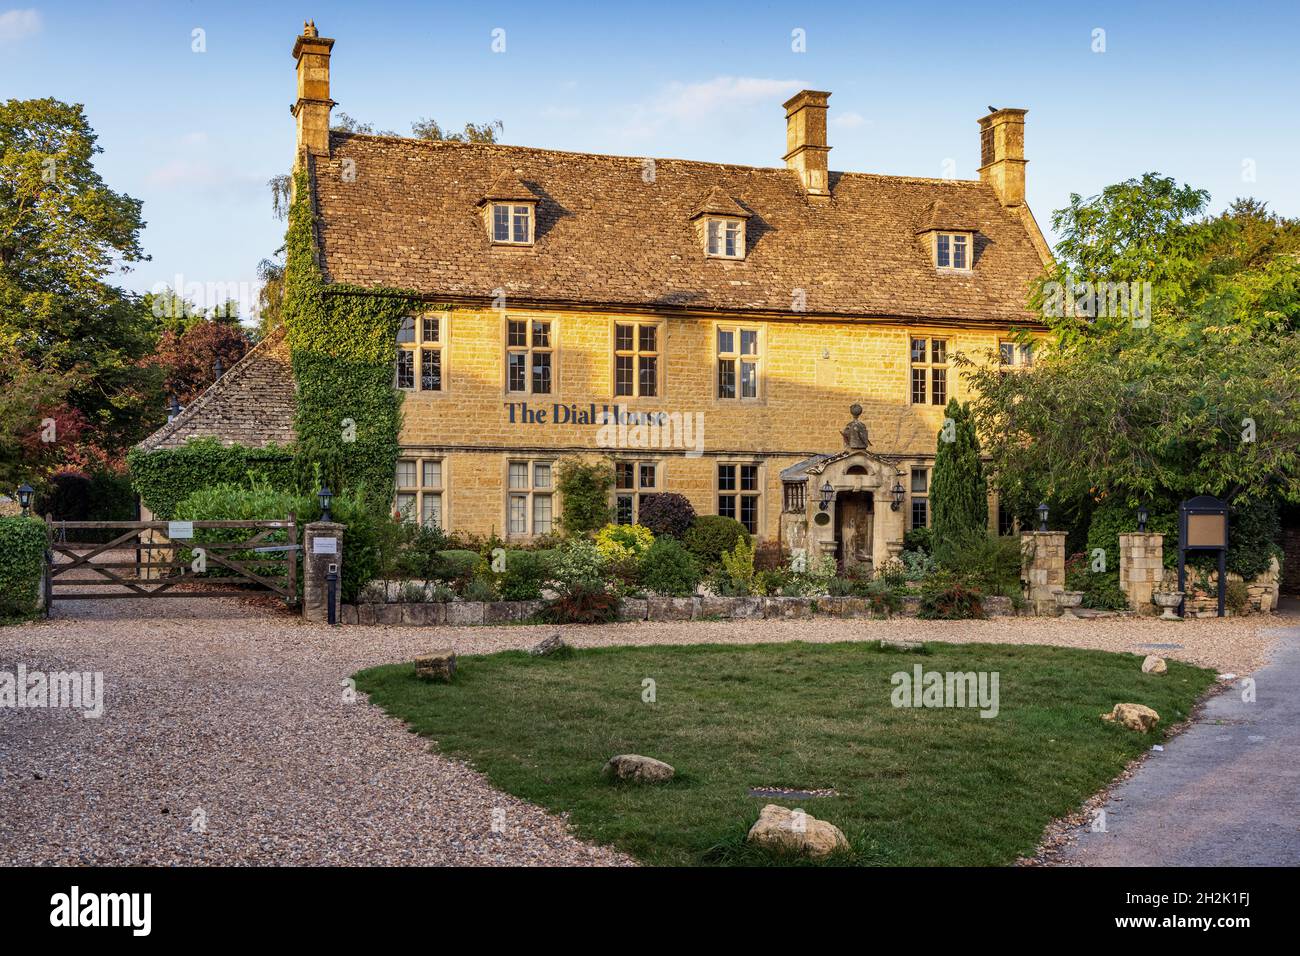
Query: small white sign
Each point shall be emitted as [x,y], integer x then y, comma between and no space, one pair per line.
[180,529]
[324,545]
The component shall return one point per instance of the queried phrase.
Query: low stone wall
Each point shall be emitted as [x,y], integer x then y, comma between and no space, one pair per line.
[463,613]
[1264,590]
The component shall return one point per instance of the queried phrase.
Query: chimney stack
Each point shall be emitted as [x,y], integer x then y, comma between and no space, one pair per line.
[312,110]
[805,141]
[1002,154]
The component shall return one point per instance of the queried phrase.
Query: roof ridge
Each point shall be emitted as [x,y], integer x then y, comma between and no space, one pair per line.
[455,144]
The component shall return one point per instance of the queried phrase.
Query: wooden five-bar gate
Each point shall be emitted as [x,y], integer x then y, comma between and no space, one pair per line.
[171,559]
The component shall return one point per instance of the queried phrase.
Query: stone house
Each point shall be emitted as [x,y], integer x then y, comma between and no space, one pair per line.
[706,326]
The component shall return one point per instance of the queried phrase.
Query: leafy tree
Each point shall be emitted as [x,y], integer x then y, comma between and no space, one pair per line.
[584,496]
[958,490]
[63,232]
[188,359]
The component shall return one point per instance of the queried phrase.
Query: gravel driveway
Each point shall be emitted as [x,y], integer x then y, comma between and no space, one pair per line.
[233,714]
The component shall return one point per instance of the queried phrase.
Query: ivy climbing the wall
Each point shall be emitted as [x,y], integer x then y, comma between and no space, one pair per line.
[343,341]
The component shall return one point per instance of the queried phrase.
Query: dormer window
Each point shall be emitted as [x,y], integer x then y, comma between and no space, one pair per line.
[726,238]
[510,211]
[720,225]
[952,251]
[512,223]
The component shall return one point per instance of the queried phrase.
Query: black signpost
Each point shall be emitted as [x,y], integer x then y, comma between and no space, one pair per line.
[1202,526]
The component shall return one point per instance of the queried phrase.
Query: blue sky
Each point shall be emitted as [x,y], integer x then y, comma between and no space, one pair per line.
[1201,91]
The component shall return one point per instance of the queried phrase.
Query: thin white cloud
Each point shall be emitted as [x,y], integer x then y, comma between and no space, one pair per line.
[849,120]
[208,181]
[17,24]
[690,104]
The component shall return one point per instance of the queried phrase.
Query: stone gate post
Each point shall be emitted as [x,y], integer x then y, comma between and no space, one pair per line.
[322,547]
[1141,566]
[1043,568]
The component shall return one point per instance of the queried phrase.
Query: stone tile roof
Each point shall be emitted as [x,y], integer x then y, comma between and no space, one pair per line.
[253,404]
[404,213]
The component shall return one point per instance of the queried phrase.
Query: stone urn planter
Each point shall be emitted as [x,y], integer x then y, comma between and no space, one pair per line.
[1068,600]
[1169,600]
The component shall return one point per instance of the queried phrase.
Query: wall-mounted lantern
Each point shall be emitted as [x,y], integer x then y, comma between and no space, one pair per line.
[828,495]
[896,495]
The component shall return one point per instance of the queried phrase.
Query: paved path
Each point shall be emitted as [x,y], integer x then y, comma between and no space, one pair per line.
[1224,793]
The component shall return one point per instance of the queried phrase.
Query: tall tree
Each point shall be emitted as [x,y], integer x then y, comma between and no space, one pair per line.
[63,233]
[958,491]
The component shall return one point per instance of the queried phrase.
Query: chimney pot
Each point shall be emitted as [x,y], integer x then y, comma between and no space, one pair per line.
[805,141]
[1002,154]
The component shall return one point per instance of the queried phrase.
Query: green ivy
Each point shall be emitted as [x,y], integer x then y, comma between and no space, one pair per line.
[343,343]
[22,562]
[164,477]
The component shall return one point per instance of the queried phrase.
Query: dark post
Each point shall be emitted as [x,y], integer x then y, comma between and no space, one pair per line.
[332,579]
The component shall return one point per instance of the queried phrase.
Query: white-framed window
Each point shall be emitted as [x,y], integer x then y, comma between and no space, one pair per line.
[633,480]
[740,493]
[1013,354]
[530,489]
[420,341]
[920,495]
[512,223]
[725,238]
[952,251]
[530,356]
[738,362]
[636,359]
[929,361]
[420,490]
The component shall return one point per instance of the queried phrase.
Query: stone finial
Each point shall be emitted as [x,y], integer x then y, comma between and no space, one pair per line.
[855,433]
[309,28]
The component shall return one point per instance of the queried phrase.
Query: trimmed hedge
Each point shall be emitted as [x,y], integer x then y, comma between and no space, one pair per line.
[22,563]
[164,477]
[711,536]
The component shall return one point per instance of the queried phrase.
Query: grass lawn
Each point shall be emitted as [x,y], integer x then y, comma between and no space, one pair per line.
[917,786]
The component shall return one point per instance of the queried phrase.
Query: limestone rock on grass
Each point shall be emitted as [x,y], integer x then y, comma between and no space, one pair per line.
[638,769]
[1133,717]
[437,666]
[794,831]
[1154,664]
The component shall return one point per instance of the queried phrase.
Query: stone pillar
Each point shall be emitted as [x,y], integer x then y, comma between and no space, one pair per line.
[322,546]
[1141,568]
[1043,568]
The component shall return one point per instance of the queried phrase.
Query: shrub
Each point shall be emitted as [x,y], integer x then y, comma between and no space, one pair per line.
[1237,596]
[480,588]
[990,563]
[258,502]
[950,599]
[413,592]
[579,567]
[667,513]
[918,539]
[418,554]
[582,604]
[162,478]
[958,492]
[97,496]
[668,568]
[1254,529]
[1101,590]
[457,565]
[738,568]
[1114,517]
[526,572]
[886,599]
[711,536]
[584,495]
[892,572]
[617,543]
[22,566]
[441,594]
[919,564]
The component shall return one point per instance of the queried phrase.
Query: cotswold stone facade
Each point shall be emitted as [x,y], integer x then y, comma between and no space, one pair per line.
[706,326]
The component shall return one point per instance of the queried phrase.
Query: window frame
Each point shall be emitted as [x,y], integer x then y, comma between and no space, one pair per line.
[967,242]
[724,224]
[919,497]
[636,353]
[1022,355]
[512,210]
[739,492]
[419,490]
[530,494]
[638,489]
[417,348]
[929,366]
[739,359]
[552,348]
